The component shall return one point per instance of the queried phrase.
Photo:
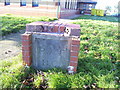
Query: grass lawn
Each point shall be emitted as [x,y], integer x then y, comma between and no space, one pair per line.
[106,18]
[98,67]
[12,24]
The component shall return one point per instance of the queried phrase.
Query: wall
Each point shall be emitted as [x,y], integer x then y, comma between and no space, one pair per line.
[41,10]
[68,12]
[50,11]
[87,0]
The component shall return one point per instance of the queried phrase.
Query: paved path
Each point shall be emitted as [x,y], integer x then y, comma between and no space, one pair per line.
[65,21]
[72,17]
[10,45]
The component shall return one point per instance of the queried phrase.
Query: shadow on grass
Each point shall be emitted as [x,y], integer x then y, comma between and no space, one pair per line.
[90,72]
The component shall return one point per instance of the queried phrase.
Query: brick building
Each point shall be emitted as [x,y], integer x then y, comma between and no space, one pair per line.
[50,8]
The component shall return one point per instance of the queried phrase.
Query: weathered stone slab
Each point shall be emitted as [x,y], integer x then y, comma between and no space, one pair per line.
[50,51]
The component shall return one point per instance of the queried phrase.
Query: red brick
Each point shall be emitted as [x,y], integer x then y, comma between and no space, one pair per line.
[75,48]
[27,62]
[75,42]
[75,69]
[74,53]
[25,58]
[51,27]
[73,63]
[26,43]
[62,28]
[27,48]
[56,26]
[26,36]
[25,12]
[73,58]
[46,26]
[26,53]
[56,3]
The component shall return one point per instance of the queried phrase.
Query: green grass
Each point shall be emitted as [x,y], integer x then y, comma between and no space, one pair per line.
[105,18]
[13,73]
[98,65]
[12,24]
[10,72]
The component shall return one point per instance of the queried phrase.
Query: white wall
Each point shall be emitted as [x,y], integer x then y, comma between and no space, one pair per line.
[87,0]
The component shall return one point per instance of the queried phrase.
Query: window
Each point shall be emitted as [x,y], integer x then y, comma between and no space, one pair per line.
[93,6]
[71,7]
[66,4]
[7,2]
[78,5]
[84,6]
[90,6]
[22,2]
[35,3]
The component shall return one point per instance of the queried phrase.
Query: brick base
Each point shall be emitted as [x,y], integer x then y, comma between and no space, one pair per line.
[49,27]
[27,49]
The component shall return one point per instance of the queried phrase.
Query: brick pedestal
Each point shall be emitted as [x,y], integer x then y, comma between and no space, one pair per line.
[59,30]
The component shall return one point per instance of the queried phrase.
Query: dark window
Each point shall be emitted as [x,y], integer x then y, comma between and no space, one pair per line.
[22,2]
[66,4]
[35,3]
[84,6]
[71,5]
[7,2]
[78,5]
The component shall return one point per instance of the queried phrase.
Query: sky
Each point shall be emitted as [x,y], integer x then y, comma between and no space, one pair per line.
[103,3]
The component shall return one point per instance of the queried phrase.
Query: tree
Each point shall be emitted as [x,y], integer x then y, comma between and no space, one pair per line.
[108,8]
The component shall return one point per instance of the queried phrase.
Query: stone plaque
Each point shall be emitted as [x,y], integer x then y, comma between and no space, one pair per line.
[50,51]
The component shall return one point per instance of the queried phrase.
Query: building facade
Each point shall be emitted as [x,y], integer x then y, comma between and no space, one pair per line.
[50,8]
[85,6]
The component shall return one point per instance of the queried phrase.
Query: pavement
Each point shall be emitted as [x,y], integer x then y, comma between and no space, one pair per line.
[10,45]
[67,19]
[72,17]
